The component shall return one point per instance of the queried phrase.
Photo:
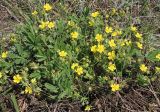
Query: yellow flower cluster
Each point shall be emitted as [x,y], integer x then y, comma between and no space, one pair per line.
[116,33]
[111,55]
[17,78]
[135,31]
[99,37]
[158,56]
[112,43]
[4,54]
[94,48]
[28,90]
[33,81]
[115,87]
[125,42]
[138,35]
[88,108]
[74,35]
[133,28]
[71,23]
[108,29]
[112,67]
[47,7]
[98,48]
[139,45]
[78,69]
[46,24]
[34,13]
[143,68]
[62,54]
[95,14]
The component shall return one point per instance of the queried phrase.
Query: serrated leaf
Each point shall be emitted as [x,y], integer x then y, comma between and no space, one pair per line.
[52,88]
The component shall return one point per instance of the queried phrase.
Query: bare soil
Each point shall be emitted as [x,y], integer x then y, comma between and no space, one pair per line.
[131,99]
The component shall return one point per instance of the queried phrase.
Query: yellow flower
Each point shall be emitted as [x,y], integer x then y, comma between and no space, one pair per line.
[133,28]
[62,54]
[115,87]
[79,70]
[157,69]
[28,90]
[113,11]
[119,32]
[107,16]
[138,35]
[128,42]
[108,29]
[74,65]
[143,68]
[88,108]
[100,48]
[71,23]
[4,54]
[122,43]
[17,78]
[94,48]
[95,14]
[51,25]
[43,24]
[48,24]
[34,13]
[114,34]
[139,45]
[158,56]
[74,35]
[111,67]
[111,55]
[91,23]
[47,7]
[0,74]
[33,81]
[112,43]
[99,37]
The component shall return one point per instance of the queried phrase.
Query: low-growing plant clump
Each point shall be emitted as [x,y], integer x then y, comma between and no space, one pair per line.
[74,56]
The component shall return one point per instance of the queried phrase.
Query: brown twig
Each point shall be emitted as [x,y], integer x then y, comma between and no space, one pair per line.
[155,95]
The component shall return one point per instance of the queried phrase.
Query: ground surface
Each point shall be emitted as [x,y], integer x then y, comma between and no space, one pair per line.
[6,20]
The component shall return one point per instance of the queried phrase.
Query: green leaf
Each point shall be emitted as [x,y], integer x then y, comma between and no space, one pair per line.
[152,55]
[35,75]
[52,88]
[52,96]
[40,58]
[143,80]
[13,98]
[62,95]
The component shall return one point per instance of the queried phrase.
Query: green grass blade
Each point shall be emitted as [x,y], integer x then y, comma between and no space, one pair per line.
[13,99]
